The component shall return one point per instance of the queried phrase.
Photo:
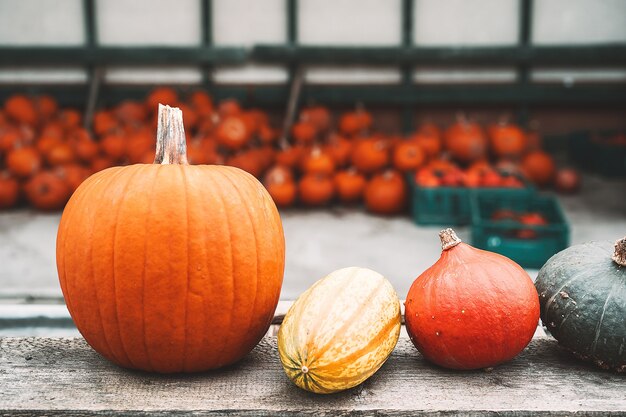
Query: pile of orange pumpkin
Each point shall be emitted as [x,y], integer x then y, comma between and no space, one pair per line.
[45,153]
[468,155]
[349,164]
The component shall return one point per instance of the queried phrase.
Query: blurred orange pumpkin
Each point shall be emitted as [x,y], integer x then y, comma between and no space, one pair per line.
[466,141]
[316,189]
[350,186]
[370,155]
[9,190]
[386,193]
[23,162]
[46,191]
[539,167]
[408,156]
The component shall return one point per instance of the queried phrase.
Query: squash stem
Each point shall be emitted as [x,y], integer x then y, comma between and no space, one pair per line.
[620,252]
[171,147]
[449,239]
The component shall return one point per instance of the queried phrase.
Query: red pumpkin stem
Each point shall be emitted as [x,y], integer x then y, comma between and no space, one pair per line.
[449,239]
[171,147]
[620,252]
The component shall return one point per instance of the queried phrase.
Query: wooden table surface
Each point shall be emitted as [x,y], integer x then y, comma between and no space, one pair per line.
[47,376]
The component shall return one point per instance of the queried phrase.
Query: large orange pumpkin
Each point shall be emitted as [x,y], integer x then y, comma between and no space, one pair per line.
[169,267]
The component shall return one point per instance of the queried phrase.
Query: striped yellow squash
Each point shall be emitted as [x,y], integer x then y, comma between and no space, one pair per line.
[340,331]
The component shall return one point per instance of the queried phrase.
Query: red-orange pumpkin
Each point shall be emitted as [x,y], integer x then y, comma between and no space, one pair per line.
[355,122]
[114,146]
[466,141]
[339,149]
[61,153]
[9,190]
[370,155]
[247,161]
[9,139]
[102,162]
[171,267]
[408,156]
[161,95]
[46,107]
[316,189]
[131,112]
[233,132]
[430,143]
[104,122]
[350,186]
[73,175]
[290,157]
[47,191]
[21,109]
[539,167]
[304,132]
[45,143]
[280,185]
[472,308]
[318,162]
[23,162]
[567,181]
[386,193]
[319,116]
[507,140]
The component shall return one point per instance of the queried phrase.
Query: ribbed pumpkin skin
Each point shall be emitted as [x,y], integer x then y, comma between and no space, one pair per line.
[582,294]
[342,329]
[171,268]
[472,309]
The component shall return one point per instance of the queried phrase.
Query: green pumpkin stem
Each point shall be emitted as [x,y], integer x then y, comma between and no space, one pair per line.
[171,147]
[449,239]
[619,256]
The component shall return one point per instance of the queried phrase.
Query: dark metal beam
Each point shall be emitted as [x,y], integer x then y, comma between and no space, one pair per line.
[407,68]
[206,23]
[274,95]
[524,41]
[74,56]
[611,54]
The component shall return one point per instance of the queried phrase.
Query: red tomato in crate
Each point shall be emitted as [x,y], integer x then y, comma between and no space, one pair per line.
[504,214]
[530,219]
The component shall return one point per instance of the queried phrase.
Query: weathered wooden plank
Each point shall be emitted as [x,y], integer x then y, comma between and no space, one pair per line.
[65,377]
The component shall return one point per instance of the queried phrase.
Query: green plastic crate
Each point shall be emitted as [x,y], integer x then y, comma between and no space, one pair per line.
[606,160]
[450,206]
[500,237]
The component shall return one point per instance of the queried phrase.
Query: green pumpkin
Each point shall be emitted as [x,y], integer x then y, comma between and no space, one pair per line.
[582,294]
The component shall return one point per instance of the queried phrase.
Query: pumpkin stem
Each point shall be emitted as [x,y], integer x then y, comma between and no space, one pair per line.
[620,252]
[449,239]
[171,147]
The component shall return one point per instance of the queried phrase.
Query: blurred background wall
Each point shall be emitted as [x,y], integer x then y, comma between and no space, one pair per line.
[330,22]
